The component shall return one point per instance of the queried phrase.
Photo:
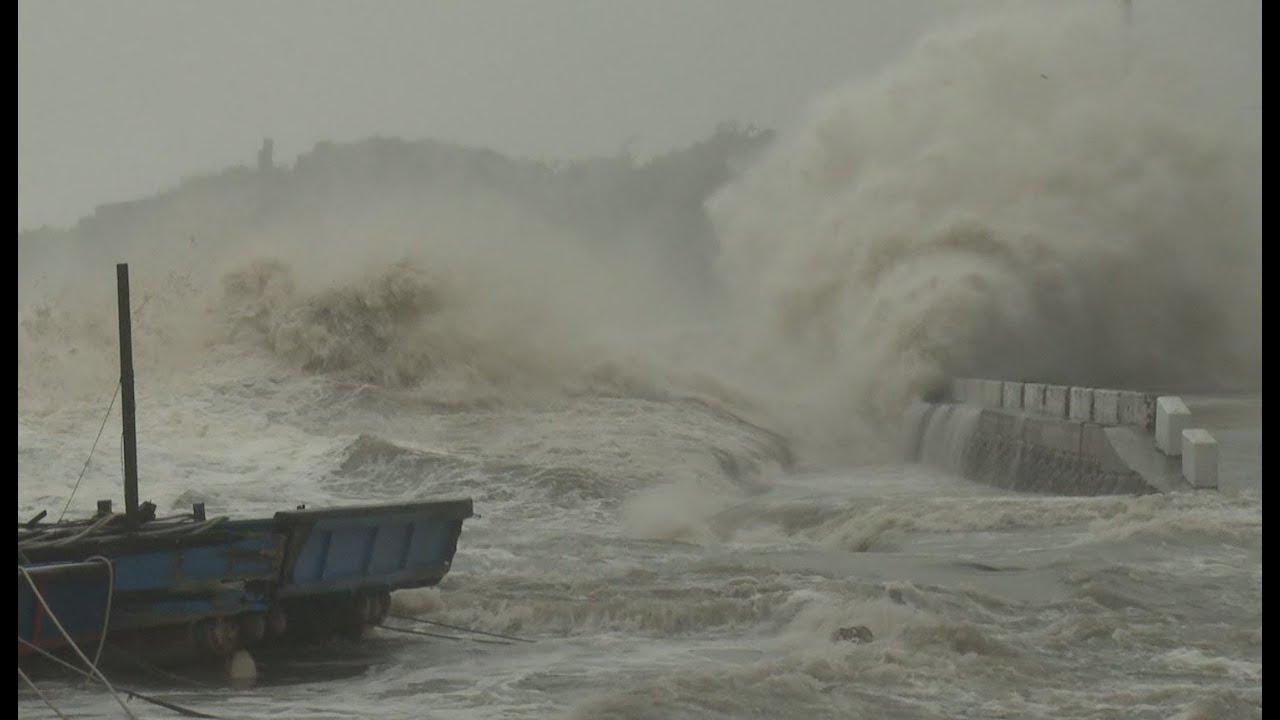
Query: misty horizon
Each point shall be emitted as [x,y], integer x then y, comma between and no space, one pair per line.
[118,102]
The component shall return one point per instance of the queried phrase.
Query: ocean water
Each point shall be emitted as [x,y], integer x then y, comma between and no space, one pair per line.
[667,563]
[686,488]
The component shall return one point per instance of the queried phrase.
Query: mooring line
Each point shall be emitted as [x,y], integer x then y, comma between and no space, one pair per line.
[186,712]
[410,631]
[457,627]
[31,684]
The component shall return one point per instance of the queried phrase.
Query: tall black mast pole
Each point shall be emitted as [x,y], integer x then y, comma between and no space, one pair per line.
[126,393]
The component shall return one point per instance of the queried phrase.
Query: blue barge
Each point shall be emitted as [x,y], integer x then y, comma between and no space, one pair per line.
[204,586]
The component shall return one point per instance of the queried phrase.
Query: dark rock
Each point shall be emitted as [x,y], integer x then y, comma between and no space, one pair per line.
[854,634]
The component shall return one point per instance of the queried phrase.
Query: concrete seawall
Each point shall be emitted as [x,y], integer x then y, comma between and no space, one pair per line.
[1065,440]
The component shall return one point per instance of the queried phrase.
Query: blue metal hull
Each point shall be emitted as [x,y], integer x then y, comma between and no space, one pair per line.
[164,575]
[320,569]
[386,547]
[215,583]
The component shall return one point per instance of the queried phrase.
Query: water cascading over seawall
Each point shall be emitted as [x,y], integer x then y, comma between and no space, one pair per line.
[1063,440]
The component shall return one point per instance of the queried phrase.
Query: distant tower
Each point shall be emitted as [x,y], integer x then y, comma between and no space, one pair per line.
[264,156]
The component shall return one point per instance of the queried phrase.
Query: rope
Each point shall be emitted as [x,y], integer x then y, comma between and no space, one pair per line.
[190,529]
[419,632]
[457,627]
[97,524]
[106,615]
[409,631]
[185,712]
[119,652]
[72,642]
[195,529]
[188,712]
[32,685]
[95,447]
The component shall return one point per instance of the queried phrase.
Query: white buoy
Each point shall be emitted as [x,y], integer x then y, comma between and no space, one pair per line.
[242,671]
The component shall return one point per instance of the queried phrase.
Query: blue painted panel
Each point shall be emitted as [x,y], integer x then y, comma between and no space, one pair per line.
[388,549]
[432,543]
[347,552]
[310,563]
[188,568]
[78,599]
[173,610]
[393,550]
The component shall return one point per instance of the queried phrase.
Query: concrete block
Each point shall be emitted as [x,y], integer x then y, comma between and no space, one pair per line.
[1172,417]
[1096,449]
[1012,396]
[1055,400]
[1052,434]
[1033,398]
[1093,441]
[1199,458]
[1137,408]
[1080,404]
[989,422]
[1007,425]
[992,394]
[1106,407]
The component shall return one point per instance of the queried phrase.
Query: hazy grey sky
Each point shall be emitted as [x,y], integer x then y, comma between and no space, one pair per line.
[120,99]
